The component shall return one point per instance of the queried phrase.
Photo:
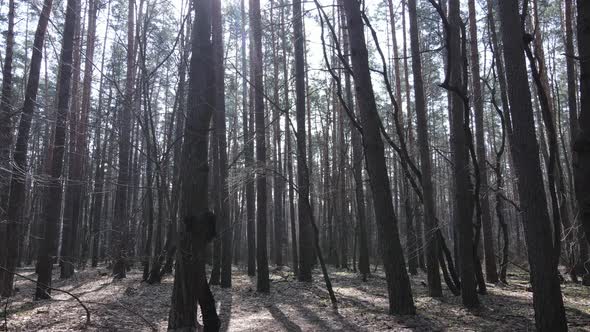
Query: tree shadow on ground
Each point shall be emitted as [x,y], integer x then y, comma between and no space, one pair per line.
[280,317]
[225,298]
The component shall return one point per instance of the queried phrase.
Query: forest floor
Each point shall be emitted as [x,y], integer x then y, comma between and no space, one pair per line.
[130,305]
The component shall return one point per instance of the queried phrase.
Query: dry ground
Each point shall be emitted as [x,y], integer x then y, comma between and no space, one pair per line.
[130,305]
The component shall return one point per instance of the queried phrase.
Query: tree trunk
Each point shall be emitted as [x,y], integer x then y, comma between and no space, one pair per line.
[120,234]
[53,200]
[220,130]
[459,141]
[488,236]
[306,247]
[16,201]
[547,300]
[398,284]
[432,245]
[263,284]
[197,228]
[6,131]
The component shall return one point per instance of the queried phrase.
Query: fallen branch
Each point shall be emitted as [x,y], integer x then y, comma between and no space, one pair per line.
[55,289]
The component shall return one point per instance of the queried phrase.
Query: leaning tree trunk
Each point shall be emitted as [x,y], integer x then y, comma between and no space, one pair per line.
[16,201]
[53,203]
[547,300]
[398,283]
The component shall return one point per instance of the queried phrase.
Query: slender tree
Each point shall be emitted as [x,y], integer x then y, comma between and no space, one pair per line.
[488,236]
[432,246]
[263,284]
[5,145]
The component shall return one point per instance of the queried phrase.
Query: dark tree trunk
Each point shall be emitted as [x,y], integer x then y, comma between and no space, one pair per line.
[16,201]
[263,283]
[53,199]
[190,282]
[488,236]
[220,130]
[547,300]
[6,131]
[432,245]
[289,145]
[463,187]
[306,247]
[120,234]
[398,284]
[249,157]
[582,142]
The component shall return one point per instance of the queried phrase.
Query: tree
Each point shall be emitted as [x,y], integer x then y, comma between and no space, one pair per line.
[547,300]
[306,251]
[5,144]
[221,136]
[263,283]
[488,236]
[120,228]
[581,147]
[52,205]
[198,223]
[434,284]
[17,183]
[398,284]
[248,156]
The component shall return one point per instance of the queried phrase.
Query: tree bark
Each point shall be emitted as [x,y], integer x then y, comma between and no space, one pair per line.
[398,284]
[488,236]
[53,200]
[263,283]
[432,245]
[6,131]
[190,282]
[306,247]
[547,300]
[16,201]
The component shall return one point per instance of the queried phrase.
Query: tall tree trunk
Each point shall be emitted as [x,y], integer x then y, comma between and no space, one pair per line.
[288,144]
[263,284]
[582,142]
[6,131]
[488,236]
[432,245]
[306,249]
[248,156]
[197,228]
[573,114]
[53,199]
[463,186]
[16,201]
[220,130]
[120,234]
[547,300]
[398,283]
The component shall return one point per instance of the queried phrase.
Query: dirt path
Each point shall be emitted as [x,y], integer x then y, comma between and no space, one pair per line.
[130,305]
